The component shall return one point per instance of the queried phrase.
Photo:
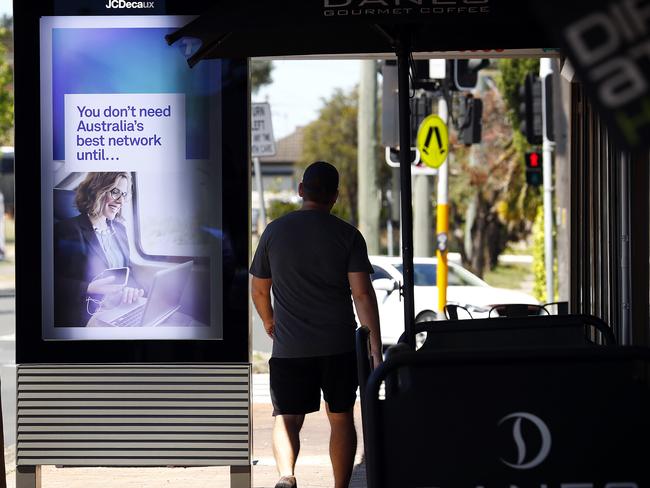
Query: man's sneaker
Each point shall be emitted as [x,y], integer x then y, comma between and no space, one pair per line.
[287,482]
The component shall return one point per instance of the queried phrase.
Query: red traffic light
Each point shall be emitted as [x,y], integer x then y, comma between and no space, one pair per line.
[534,168]
[533,160]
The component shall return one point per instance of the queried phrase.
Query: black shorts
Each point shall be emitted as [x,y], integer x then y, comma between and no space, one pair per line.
[296,383]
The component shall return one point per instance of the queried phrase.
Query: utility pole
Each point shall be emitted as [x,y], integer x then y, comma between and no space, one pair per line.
[422,216]
[548,147]
[369,196]
[261,222]
[475,157]
[395,212]
[422,191]
[442,221]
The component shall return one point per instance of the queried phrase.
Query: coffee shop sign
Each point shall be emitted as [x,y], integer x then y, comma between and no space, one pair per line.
[333,8]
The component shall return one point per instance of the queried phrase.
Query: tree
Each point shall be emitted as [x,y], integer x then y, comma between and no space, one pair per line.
[512,73]
[493,187]
[6,85]
[260,74]
[6,21]
[333,137]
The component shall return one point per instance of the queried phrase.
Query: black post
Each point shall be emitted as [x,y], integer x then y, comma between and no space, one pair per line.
[405,185]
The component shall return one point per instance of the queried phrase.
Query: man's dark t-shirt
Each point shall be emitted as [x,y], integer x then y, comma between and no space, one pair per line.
[308,254]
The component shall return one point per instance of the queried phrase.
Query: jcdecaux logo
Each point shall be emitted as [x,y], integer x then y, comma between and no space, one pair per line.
[125,4]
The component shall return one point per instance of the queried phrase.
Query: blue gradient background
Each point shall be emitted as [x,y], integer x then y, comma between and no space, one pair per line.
[131,60]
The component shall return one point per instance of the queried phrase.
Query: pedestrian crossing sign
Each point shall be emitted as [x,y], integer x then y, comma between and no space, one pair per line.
[433,141]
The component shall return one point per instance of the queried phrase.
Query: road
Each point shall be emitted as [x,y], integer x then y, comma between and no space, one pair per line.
[8,367]
[261,341]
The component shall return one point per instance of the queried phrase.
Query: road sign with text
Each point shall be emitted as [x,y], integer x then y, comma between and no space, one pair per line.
[262,142]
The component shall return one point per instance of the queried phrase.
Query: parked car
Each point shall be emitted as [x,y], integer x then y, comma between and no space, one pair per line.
[464,289]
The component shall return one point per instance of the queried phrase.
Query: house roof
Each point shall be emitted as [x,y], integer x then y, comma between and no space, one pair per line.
[288,149]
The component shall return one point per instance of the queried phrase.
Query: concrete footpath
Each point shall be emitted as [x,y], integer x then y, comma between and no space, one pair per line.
[313,469]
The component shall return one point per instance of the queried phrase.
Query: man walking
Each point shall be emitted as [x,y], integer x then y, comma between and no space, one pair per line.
[313,260]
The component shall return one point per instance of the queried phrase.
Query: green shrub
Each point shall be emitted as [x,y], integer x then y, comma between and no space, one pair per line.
[539,266]
[278,208]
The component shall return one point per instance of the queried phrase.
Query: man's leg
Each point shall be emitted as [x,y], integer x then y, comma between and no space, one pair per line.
[343,445]
[286,442]
[294,393]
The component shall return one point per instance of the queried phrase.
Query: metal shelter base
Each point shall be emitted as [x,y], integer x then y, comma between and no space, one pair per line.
[30,477]
[114,415]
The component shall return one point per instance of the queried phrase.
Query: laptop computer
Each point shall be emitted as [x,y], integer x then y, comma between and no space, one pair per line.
[164,299]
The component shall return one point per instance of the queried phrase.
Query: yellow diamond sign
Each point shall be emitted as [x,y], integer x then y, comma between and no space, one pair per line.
[433,141]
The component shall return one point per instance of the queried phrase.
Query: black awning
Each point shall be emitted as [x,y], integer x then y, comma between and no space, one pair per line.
[302,27]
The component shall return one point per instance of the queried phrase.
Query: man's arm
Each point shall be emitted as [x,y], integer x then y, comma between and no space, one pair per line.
[365,302]
[261,294]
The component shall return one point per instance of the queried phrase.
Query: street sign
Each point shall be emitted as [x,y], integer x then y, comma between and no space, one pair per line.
[262,141]
[433,141]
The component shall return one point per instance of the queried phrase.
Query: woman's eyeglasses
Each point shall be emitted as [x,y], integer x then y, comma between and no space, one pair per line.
[115,194]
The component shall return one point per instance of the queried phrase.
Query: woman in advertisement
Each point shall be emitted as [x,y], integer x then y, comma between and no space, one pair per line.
[91,252]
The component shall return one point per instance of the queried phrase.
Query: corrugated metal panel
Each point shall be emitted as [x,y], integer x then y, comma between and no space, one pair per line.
[133,415]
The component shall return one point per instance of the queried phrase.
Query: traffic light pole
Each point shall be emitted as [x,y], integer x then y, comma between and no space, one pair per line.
[403,89]
[442,222]
[548,147]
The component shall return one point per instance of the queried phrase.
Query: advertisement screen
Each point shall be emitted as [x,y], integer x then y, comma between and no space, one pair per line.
[131,182]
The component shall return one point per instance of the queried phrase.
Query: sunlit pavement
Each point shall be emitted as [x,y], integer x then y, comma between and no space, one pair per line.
[313,469]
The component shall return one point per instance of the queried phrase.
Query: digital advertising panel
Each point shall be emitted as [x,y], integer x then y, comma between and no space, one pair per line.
[142,188]
[132,250]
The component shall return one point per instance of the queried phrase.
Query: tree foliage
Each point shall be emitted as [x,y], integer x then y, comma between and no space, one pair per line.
[488,188]
[6,21]
[539,262]
[493,179]
[6,85]
[278,208]
[512,73]
[333,138]
[260,74]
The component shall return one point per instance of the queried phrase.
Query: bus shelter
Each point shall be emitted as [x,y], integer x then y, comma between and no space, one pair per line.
[114,111]
[132,313]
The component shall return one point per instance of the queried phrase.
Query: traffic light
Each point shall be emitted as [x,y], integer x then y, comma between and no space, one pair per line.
[469,131]
[420,106]
[530,109]
[548,107]
[464,72]
[421,76]
[534,175]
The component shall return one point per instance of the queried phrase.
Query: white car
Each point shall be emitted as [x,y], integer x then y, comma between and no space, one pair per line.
[463,288]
